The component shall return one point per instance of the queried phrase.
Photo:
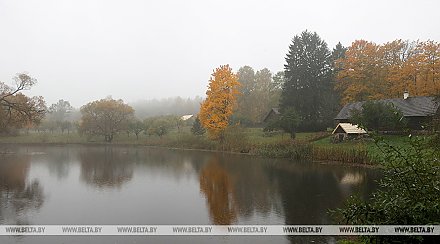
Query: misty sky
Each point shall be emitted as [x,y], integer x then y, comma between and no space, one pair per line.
[83,50]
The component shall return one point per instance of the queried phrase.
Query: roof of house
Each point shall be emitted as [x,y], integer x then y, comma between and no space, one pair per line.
[410,107]
[272,110]
[276,110]
[186,117]
[350,128]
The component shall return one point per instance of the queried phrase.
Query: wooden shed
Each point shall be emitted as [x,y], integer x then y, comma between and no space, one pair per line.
[346,131]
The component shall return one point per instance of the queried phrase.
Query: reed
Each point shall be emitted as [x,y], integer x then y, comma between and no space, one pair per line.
[354,155]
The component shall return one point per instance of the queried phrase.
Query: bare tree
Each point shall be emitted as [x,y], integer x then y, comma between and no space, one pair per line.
[16,109]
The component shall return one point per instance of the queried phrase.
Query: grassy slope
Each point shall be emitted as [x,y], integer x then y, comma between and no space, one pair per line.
[369,145]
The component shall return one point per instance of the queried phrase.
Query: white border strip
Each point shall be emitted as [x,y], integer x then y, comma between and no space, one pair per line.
[216,230]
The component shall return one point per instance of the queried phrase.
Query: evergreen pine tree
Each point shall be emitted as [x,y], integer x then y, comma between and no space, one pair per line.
[338,52]
[197,128]
[308,84]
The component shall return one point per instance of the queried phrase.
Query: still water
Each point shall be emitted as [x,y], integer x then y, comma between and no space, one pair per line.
[52,185]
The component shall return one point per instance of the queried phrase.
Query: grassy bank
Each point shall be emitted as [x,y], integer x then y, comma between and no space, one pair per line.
[311,146]
[364,151]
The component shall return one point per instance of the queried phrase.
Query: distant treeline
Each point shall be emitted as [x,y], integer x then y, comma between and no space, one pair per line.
[167,106]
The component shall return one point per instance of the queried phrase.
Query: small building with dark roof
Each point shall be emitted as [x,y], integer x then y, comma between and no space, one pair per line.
[273,114]
[417,110]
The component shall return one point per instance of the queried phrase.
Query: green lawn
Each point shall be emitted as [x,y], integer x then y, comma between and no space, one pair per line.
[258,136]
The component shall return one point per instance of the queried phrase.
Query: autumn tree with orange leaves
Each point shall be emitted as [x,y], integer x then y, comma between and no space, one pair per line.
[18,110]
[105,117]
[220,102]
[370,71]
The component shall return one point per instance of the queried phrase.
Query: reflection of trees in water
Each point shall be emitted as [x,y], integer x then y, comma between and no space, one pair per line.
[17,197]
[175,163]
[309,192]
[216,184]
[106,167]
[237,187]
[253,191]
[59,159]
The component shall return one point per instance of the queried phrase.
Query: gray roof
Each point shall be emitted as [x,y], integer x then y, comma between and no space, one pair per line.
[275,111]
[410,107]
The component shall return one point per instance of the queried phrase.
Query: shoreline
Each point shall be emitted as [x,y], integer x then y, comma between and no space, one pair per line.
[324,162]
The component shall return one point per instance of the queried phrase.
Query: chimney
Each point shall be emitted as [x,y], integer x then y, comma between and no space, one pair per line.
[405,94]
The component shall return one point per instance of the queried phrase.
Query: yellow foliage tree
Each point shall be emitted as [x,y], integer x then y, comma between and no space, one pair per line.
[220,102]
[18,110]
[105,117]
[419,72]
[362,74]
[370,71]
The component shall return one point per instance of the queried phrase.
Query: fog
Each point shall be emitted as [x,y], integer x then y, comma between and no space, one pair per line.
[83,50]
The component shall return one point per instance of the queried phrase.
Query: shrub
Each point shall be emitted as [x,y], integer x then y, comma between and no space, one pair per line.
[379,116]
[197,128]
[235,140]
[409,193]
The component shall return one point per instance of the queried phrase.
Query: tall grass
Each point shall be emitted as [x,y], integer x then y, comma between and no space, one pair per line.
[285,149]
[355,155]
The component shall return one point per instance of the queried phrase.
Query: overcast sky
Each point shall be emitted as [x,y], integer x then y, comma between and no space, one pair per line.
[83,50]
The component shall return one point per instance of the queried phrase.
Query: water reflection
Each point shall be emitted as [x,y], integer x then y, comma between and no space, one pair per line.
[216,184]
[239,188]
[313,190]
[160,186]
[59,160]
[255,193]
[17,196]
[109,168]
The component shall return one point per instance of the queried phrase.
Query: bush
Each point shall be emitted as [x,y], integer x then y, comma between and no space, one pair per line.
[288,122]
[235,140]
[379,116]
[197,128]
[409,193]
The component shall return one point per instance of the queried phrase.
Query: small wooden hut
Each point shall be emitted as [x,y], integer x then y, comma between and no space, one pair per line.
[347,131]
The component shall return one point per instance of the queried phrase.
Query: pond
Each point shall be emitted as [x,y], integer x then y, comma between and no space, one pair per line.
[100,185]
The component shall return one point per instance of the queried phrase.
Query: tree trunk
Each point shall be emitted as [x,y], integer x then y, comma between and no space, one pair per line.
[293,135]
[108,138]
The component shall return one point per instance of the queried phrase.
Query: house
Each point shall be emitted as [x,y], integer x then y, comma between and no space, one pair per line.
[417,110]
[273,114]
[345,131]
[186,117]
